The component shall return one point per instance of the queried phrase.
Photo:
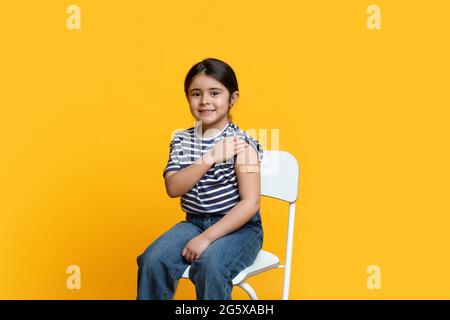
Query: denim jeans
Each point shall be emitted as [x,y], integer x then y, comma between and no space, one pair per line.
[161,264]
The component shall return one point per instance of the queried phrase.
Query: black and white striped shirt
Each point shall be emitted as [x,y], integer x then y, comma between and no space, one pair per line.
[217,191]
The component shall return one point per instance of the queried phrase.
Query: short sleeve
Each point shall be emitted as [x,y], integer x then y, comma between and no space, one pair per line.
[256,145]
[175,153]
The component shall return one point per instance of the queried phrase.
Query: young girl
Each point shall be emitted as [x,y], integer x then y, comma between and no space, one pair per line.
[214,168]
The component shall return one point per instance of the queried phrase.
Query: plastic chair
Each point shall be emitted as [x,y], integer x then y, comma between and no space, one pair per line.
[279,179]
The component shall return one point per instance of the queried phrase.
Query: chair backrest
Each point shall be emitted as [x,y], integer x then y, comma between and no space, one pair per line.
[279,179]
[279,175]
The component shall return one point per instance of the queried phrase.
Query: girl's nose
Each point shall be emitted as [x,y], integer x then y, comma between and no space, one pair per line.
[204,99]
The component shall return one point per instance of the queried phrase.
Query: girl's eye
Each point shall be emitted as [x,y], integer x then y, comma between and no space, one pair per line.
[213,93]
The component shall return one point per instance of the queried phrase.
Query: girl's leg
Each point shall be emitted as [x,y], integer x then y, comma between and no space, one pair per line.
[162,263]
[213,272]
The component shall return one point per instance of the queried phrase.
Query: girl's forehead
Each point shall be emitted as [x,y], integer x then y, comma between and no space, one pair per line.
[203,81]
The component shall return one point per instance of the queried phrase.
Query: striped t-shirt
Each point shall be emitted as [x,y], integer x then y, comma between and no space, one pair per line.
[217,191]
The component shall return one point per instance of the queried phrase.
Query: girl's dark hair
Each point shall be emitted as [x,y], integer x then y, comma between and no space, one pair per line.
[217,69]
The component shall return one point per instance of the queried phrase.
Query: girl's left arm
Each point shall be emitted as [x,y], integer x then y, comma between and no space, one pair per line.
[247,173]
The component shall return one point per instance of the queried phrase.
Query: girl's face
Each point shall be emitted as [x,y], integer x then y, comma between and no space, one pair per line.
[209,101]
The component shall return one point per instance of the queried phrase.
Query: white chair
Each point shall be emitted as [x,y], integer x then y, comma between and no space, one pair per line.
[279,180]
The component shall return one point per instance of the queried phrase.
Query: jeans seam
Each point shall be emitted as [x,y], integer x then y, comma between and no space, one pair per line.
[177,270]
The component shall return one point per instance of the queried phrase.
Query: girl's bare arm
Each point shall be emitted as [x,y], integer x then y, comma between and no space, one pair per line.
[180,182]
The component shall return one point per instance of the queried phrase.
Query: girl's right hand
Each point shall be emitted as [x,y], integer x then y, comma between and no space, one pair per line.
[226,148]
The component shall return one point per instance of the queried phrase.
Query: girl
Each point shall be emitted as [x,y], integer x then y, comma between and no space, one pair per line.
[214,168]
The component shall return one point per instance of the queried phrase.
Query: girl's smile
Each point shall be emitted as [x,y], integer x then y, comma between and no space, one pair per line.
[206,112]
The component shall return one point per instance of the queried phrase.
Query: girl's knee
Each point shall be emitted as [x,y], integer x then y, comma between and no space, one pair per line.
[208,264]
[150,256]
[138,259]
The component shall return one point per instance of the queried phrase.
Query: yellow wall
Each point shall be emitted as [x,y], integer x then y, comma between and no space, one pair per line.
[86,118]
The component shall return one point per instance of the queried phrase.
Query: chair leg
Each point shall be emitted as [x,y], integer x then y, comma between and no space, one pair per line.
[247,288]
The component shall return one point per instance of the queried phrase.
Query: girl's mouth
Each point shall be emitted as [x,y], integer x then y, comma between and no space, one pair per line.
[206,112]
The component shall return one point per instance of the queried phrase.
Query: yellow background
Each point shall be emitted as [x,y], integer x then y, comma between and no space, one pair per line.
[87,115]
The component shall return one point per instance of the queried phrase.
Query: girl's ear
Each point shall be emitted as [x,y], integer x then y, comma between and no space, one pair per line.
[234,98]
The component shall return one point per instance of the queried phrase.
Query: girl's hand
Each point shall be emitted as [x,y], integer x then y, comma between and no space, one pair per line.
[195,247]
[226,148]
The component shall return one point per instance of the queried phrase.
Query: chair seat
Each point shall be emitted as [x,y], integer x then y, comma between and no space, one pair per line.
[263,262]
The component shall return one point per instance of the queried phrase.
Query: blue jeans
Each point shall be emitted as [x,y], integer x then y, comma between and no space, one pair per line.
[212,273]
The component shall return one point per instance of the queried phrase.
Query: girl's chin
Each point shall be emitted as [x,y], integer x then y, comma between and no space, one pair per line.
[206,120]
